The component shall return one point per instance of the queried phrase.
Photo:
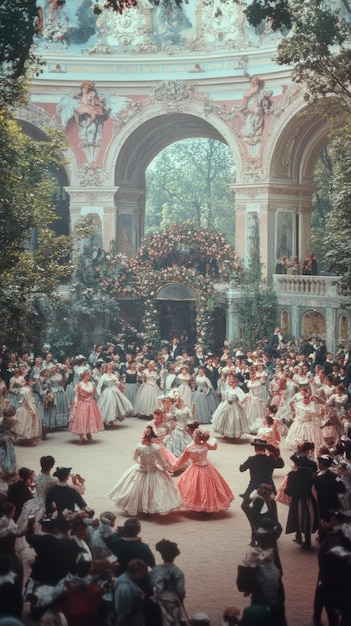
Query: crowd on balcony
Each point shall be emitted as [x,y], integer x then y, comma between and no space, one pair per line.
[293,267]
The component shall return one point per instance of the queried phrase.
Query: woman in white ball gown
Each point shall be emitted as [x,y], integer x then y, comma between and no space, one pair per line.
[146,400]
[179,438]
[113,404]
[230,418]
[184,389]
[147,486]
[306,425]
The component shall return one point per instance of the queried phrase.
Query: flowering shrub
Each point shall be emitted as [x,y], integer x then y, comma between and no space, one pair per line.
[204,249]
[183,254]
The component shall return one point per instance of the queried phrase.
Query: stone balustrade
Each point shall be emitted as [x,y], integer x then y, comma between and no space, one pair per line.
[324,286]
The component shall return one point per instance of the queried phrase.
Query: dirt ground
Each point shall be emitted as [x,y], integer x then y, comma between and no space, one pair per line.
[211,546]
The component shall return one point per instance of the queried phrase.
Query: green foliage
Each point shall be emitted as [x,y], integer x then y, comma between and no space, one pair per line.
[319,51]
[276,11]
[190,180]
[258,313]
[338,232]
[26,208]
[258,307]
[17,60]
[321,203]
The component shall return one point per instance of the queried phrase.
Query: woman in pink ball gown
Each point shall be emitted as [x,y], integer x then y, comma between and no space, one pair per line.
[85,415]
[201,486]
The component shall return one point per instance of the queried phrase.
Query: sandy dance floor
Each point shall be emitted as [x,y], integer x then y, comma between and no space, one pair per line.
[211,546]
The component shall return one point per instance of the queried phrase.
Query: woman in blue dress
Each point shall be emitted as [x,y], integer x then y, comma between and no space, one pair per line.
[204,398]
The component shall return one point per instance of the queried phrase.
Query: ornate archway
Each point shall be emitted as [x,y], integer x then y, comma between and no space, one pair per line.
[313,323]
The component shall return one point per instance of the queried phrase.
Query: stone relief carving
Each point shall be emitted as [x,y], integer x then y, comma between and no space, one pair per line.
[123,117]
[131,28]
[90,110]
[290,94]
[148,28]
[220,21]
[37,116]
[89,175]
[253,171]
[173,93]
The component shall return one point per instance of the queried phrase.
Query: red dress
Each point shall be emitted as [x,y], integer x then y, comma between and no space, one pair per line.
[201,486]
[85,414]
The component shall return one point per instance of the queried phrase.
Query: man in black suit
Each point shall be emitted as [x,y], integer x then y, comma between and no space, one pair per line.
[126,545]
[261,467]
[175,349]
[328,486]
[61,496]
[321,352]
[211,372]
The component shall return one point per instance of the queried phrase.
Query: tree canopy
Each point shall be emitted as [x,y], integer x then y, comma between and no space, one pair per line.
[338,231]
[190,180]
[17,59]
[26,207]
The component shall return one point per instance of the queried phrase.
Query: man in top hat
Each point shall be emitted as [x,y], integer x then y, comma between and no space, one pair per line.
[261,467]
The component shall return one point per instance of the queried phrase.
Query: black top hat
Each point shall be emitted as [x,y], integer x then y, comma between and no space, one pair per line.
[325,459]
[298,458]
[259,443]
[62,472]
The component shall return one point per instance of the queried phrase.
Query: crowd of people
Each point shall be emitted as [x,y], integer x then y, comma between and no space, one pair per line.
[293,267]
[294,392]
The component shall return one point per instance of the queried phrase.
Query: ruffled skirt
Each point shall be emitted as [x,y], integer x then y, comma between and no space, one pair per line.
[86,418]
[146,492]
[114,405]
[146,400]
[230,420]
[202,488]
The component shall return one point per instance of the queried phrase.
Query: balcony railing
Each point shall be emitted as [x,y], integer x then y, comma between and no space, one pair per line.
[323,286]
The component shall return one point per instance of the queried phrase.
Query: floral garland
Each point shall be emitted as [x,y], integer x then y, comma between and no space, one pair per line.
[182,254]
[188,240]
[149,284]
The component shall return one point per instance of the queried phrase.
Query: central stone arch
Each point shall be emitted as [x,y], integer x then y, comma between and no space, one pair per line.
[133,150]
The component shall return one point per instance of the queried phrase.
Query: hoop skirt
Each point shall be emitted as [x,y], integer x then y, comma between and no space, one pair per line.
[28,423]
[184,389]
[146,487]
[201,486]
[178,439]
[146,400]
[305,427]
[204,399]
[131,387]
[85,414]
[61,404]
[230,419]
[254,407]
[113,404]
